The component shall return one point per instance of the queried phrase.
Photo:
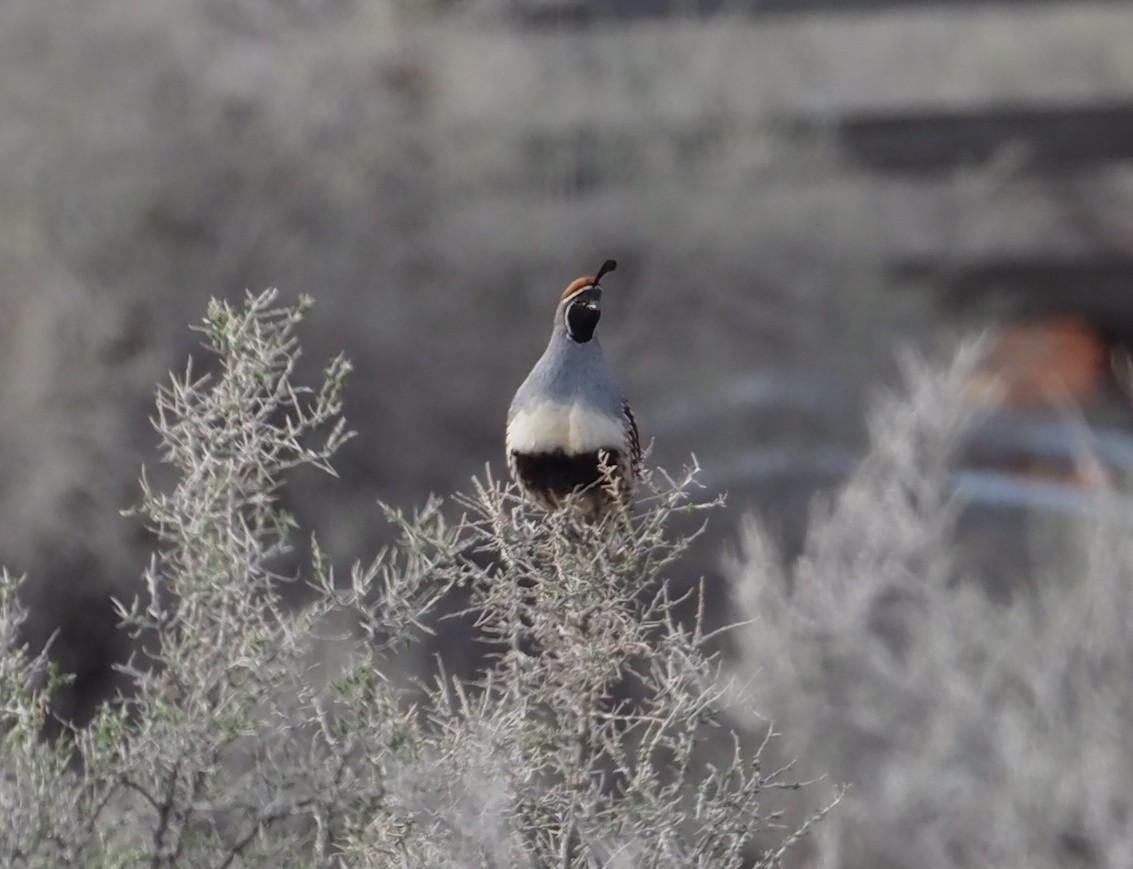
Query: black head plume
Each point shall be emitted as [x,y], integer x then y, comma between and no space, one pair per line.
[607,267]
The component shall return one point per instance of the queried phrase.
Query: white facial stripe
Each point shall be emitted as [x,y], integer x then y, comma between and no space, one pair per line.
[576,292]
[572,428]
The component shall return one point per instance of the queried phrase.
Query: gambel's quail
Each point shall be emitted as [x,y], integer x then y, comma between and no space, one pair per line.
[570,428]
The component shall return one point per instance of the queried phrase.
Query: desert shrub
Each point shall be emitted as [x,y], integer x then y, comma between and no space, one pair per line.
[261,734]
[973,730]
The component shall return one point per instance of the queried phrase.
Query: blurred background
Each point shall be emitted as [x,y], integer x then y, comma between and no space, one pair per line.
[793,189]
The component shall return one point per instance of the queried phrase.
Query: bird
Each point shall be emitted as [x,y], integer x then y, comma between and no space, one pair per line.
[571,436]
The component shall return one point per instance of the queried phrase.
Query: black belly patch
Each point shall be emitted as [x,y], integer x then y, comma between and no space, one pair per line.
[559,474]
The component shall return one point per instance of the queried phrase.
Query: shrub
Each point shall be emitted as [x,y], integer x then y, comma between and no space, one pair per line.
[266,735]
[973,731]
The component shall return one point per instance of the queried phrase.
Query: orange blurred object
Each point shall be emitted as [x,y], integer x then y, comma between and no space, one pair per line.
[1042,362]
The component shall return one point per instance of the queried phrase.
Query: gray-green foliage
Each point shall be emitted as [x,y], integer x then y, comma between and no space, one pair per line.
[972,731]
[263,735]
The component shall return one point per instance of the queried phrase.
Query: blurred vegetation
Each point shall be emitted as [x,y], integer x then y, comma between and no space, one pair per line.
[158,153]
[434,174]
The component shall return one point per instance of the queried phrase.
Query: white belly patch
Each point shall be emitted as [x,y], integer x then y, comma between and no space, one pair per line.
[572,428]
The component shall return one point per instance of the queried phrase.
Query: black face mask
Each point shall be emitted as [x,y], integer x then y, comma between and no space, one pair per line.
[582,319]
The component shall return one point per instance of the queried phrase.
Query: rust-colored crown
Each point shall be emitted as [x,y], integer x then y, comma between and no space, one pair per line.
[576,285]
[588,280]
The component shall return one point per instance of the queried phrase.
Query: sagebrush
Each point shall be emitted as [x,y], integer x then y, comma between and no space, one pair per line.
[974,728]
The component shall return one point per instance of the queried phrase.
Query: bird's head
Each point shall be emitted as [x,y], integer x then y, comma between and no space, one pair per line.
[580,306]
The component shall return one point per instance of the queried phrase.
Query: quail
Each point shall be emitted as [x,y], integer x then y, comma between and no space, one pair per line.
[570,429]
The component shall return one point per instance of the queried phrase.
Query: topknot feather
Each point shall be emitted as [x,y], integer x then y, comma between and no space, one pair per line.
[588,280]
